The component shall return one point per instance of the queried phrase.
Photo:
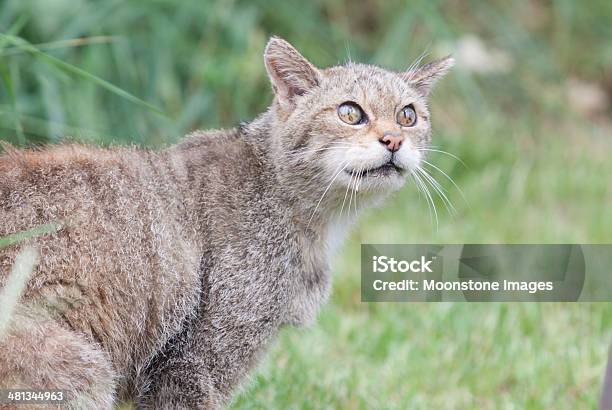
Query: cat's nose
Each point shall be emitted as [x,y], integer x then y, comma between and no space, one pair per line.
[392,140]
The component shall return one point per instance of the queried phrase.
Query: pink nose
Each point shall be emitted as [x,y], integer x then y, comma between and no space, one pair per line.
[392,141]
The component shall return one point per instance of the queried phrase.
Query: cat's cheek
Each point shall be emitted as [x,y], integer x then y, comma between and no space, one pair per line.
[333,162]
[409,158]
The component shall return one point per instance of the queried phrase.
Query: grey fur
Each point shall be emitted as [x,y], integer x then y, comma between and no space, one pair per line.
[173,270]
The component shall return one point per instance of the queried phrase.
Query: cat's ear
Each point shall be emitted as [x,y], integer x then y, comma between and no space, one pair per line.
[290,73]
[423,78]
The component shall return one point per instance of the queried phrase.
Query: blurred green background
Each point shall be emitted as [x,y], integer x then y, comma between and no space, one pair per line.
[527,110]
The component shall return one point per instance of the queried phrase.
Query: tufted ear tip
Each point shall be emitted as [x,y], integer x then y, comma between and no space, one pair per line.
[275,42]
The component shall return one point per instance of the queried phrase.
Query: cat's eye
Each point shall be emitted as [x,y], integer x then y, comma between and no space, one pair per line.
[407,117]
[351,113]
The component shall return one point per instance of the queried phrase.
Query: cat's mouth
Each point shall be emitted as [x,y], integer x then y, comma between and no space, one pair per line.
[386,169]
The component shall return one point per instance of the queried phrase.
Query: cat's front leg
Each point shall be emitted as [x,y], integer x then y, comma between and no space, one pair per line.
[180,383]
[201,367]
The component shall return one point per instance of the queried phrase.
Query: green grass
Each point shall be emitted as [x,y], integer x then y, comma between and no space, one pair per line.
[438,356]
[537,169]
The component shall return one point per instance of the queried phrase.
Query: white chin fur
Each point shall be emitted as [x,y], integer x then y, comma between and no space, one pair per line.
[360,158]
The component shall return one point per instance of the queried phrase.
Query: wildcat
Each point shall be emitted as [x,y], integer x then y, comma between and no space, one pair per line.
[170,271]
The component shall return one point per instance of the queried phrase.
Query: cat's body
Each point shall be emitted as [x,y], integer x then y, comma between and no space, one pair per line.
[170,271]
[152,235]
[100,272]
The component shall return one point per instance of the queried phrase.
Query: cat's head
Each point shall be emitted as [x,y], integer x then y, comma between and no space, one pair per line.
[352,122]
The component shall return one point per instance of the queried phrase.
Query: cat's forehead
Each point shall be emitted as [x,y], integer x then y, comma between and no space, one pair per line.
[369,79]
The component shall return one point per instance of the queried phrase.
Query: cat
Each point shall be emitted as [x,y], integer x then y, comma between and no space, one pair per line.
[170,271]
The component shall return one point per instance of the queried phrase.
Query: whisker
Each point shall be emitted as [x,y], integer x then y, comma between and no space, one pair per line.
[337,144]
[447,177]
[352,188]
[356,189]
[417,62]
[363,174]
[332,144]
[311,151]
[439,190]
[421,194]
[348,51]
[327,189]
[430,203]
[345,194]
[445,153]
[419,184]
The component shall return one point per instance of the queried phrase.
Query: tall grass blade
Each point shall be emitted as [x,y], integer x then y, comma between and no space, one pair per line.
[24,45]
